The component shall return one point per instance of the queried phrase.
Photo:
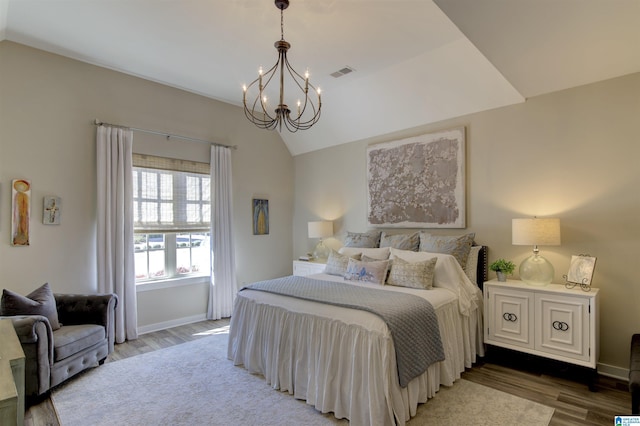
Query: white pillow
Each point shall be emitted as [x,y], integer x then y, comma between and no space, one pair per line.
[374,253]
[372,272]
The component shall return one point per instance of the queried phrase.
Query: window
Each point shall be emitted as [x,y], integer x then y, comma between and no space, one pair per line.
[171,216]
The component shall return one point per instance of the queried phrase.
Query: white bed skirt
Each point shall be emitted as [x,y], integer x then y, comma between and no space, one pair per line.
[347,369]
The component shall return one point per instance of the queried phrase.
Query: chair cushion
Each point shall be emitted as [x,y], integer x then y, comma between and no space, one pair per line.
[71,339]
[39,302]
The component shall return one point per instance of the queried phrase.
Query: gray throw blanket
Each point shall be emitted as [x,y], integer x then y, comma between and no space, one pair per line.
[411,320]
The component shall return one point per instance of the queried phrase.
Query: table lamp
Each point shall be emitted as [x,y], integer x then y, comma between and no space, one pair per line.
[536,270]
[321,229]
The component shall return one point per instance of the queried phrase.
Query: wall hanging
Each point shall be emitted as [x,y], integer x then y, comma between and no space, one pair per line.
[20,208]
[51,210]
[260,216]
[418,182]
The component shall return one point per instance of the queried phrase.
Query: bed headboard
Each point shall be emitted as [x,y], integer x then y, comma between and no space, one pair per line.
[483,266]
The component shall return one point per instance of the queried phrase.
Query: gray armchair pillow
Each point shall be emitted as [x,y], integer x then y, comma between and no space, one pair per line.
[38,302]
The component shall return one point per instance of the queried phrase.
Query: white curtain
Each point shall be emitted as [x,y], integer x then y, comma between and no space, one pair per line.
[223,275]
[116,270]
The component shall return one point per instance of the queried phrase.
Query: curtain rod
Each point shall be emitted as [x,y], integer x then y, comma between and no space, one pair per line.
[167,135]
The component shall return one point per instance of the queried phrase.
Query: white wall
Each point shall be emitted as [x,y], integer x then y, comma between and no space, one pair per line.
[47,105]
[571,154]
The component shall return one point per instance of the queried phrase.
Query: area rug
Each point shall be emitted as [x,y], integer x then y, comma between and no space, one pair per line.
[195,384]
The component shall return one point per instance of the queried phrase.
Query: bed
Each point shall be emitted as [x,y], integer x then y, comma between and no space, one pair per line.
[343,360]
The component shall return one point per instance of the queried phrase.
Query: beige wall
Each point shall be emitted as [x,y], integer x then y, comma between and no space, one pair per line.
[47,105]
[571,154]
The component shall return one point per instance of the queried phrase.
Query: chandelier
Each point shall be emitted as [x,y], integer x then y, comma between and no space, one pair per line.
[256,109]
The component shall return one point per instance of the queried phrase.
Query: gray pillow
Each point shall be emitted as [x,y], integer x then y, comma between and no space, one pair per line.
[38,302]
[337,263]
[457,246]
[401,241]
[370,239]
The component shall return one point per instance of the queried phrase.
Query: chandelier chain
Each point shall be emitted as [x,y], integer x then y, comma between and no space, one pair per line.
[282,24]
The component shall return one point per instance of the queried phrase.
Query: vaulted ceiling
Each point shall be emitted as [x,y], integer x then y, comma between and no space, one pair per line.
[415,61]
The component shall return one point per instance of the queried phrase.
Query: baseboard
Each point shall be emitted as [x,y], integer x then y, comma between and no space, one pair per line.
[169,324]
[613,371]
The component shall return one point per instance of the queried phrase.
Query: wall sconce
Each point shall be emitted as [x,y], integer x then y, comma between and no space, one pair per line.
[320,229]
[536,270]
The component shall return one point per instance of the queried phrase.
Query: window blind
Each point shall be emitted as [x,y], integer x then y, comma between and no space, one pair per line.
[170,195]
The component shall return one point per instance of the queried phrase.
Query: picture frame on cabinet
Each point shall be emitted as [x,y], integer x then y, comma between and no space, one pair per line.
[581,271]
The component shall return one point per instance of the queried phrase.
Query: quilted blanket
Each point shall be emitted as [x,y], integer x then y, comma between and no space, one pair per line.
[411,320]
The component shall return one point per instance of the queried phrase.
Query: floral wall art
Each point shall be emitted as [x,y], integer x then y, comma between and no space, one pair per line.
[418,182]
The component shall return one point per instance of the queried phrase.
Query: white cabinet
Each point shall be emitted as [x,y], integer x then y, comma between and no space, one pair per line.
[550,321]
[303,268]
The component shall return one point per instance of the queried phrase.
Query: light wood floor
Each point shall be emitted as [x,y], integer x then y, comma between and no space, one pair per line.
[573,402]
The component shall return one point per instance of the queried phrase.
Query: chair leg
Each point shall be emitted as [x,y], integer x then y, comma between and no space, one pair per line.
[102,361]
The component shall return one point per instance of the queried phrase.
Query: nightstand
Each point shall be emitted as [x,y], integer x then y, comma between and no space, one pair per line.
[302,268]
[550,321]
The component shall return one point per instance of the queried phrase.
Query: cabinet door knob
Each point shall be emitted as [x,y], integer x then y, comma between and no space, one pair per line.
[508,316]
[560,325]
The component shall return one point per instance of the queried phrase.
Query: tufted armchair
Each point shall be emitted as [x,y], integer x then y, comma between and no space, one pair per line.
[83,340]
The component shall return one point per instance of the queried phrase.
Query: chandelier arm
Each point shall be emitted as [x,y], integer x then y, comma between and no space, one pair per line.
[251,114]
[307,99]
[260,122]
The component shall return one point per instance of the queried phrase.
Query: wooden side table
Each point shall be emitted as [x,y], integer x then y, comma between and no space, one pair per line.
[11,376]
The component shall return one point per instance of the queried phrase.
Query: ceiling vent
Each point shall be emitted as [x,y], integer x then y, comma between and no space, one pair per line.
[341,72]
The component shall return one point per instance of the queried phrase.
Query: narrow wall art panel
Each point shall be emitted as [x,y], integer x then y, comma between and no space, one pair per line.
[20,211]
[418,182]
[260,216]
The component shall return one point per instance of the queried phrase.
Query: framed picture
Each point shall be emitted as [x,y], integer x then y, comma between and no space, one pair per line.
[21,211]
[51,210]
[581,269]
[260,216]
[418,182]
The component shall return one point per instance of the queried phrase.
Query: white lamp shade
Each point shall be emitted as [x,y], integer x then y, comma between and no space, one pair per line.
[536,231]
[320,229]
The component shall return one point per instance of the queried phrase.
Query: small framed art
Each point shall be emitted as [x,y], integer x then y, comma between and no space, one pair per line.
[260,216]
[581,271]
[51,210]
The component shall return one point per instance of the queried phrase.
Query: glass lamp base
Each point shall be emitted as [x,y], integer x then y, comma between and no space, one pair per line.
[536,270]
[321,252]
